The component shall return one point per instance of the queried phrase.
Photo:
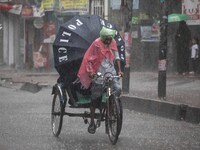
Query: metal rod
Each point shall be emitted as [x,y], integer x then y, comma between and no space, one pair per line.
[85,115]
[162,63]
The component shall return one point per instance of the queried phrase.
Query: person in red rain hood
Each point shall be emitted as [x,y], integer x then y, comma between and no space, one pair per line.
[100,57]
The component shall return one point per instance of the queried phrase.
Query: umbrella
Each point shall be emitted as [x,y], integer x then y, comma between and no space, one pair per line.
[177,17]
[76,35]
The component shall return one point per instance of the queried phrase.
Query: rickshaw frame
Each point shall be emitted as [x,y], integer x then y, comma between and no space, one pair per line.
[111,111]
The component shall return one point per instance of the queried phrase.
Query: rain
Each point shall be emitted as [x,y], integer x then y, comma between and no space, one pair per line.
[43,43]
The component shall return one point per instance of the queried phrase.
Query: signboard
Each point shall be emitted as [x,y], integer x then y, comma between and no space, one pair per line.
[128,46]
[134,34]
[48,5]
[15,9]
[73,6]
[128,39]
[135,4]
[162,65]
[135,20]
[38,12]
[192,8]
[150,33]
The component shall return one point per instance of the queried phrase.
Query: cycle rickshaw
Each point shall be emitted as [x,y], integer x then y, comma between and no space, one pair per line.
[69,49]
[110,109]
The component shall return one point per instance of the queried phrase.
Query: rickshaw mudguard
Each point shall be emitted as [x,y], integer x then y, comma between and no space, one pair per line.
[58,88]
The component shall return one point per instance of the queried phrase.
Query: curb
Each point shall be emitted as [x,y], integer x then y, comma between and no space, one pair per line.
[145,105]
[162,108]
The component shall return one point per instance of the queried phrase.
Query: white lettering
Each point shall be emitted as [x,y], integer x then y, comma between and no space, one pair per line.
[102,22]
[109,25]
[63,58]
[64,40]
[122,48]
[122,57]
[66,33]
[119,38]
[79,23]
[62,50]
[73,27]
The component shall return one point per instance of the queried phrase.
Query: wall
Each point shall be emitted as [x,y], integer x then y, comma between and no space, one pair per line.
[144,55]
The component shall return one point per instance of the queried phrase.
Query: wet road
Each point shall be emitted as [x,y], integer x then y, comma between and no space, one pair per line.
[25,125]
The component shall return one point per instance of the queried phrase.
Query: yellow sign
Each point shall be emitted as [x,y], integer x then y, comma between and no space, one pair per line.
[75,5]
[48,4]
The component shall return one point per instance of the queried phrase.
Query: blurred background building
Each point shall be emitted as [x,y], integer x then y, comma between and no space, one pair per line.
[28,29]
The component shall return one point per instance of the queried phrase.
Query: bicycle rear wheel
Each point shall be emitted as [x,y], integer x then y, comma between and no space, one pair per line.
[121,114]
[57,113]
[114,120]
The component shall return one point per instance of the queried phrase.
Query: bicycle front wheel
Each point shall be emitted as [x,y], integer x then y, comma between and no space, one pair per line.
[57,112]
[114,120]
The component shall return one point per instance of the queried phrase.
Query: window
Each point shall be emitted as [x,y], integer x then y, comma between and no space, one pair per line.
[98,7]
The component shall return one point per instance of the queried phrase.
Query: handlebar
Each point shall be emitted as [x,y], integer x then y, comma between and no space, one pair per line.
[106,76]
[107,79]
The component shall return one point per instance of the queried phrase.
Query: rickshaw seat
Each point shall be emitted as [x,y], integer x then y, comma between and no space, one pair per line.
[80,95]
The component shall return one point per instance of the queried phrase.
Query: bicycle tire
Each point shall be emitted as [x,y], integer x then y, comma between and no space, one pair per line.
[113,119]
[57,113]
[121,115]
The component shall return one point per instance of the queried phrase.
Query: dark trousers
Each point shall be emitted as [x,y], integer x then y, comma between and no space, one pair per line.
[97,91]
[193,64]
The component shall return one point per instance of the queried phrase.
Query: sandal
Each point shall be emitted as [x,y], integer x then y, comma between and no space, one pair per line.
[92,128]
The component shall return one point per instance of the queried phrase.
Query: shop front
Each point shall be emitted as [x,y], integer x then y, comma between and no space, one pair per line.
[39,36]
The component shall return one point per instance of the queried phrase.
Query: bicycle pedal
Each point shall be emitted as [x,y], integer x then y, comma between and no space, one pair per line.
[86,112]
[98,123]
[86,121]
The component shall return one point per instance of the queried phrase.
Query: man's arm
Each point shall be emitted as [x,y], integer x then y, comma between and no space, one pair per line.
[120,73]
[117,58]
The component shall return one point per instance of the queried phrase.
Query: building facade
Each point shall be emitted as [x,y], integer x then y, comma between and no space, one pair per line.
[28,29]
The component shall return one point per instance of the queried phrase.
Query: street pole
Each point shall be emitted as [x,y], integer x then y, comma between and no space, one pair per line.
[127,28]
[162,62]
[90,7]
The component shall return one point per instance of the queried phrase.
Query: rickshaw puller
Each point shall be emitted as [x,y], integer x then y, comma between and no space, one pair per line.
[100,57]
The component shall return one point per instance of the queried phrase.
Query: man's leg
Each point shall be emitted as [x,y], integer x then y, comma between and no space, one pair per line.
[116,87]
[95,94]
[92,126]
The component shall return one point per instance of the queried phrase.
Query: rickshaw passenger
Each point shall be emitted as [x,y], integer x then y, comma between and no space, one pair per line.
[100,57]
